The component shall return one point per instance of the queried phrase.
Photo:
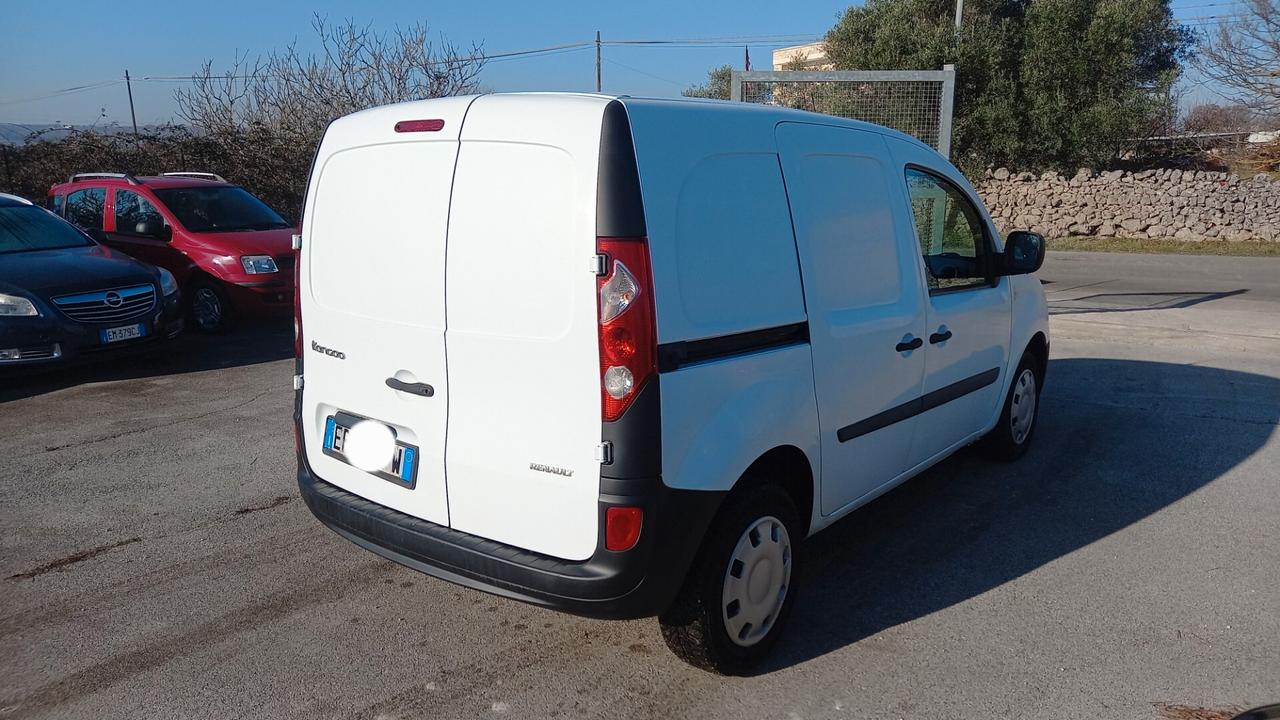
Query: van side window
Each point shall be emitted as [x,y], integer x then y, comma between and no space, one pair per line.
[57,203]
[84,208]
[131,209]
[951,233]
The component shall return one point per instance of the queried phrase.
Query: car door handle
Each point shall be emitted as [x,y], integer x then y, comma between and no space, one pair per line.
[908,345]
[422,389]
[938,337]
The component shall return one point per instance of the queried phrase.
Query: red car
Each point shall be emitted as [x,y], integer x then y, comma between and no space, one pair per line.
[231,254]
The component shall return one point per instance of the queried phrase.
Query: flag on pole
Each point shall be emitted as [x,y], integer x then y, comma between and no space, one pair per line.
[746,59]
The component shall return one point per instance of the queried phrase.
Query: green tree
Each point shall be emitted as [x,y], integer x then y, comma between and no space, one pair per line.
[716,86]
[1054,83]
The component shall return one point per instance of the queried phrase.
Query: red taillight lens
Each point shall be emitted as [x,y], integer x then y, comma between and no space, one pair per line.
[628,337]
[622,527]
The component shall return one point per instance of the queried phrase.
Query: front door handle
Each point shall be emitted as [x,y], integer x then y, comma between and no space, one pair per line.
[416,388]
[909,345]
[938,337]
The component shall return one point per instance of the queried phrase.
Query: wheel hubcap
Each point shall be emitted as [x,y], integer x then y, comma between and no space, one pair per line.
[1023,411]
[207,306]
[756,581]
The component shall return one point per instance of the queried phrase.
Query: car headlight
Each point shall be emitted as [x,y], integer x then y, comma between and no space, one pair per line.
[258,264]
[168,284]
[15,306]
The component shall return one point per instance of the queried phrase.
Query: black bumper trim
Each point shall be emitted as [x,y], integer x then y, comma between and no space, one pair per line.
[617,585]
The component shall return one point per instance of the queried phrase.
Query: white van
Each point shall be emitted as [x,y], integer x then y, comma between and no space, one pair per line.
[620,356]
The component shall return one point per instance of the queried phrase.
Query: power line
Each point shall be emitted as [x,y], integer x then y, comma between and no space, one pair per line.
[611,61]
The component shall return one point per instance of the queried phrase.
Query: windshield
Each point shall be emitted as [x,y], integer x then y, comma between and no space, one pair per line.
[222,208]
[24,228]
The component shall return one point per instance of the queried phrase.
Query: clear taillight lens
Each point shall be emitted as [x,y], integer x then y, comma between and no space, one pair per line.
[618,292]
[628,337]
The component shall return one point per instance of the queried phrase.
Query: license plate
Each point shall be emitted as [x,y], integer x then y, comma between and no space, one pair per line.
[128,332]
[403,467]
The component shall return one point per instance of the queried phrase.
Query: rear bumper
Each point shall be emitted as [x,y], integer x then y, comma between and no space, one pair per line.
[616,585]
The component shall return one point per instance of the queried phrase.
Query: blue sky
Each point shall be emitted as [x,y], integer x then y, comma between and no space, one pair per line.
[48,47]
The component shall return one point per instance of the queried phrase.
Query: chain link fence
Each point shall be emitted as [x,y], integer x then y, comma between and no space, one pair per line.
[916,102]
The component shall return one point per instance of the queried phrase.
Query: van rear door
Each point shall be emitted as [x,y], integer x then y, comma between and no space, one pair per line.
[524,393]
[372,296]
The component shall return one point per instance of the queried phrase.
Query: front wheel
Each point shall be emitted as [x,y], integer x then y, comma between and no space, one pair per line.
[208,306]
[1011,436]
[740,590]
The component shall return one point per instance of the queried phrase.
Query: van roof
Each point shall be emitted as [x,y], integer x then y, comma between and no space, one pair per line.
[765,113]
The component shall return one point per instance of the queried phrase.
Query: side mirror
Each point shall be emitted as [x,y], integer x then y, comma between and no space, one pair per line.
[97,234]
[154,229]
[1023,252]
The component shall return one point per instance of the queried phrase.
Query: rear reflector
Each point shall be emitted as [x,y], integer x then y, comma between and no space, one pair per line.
[622,527]
[419,125]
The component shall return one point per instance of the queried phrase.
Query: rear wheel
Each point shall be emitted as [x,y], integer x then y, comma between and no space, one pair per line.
[208,306]
[1011,436]
[741,588]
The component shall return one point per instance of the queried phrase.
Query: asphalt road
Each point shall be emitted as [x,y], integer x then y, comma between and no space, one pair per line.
[155,560]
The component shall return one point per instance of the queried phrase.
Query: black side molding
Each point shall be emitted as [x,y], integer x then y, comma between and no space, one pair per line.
[924,403]
[675,355]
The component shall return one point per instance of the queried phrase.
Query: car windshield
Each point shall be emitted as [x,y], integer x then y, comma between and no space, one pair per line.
[24,228]
[222,208]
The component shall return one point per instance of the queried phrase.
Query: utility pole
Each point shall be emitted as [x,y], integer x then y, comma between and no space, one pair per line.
[132,115]
[597,61]
[959,14]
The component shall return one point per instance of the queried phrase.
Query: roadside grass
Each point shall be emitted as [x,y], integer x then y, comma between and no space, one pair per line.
[1167,246]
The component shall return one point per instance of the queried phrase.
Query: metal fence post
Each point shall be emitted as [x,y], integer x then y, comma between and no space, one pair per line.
[945,112]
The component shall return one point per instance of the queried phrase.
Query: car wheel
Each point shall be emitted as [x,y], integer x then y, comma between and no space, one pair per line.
[209,309]
[1011,436]
[741,588]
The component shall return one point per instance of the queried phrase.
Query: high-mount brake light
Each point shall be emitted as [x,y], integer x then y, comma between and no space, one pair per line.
[628,338]
[405,126]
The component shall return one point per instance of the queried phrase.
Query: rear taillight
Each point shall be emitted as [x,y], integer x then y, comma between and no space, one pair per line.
[627,335]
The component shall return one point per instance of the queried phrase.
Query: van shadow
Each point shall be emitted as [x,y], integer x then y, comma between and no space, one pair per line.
[247,344]
[1118,441]
[1131,301]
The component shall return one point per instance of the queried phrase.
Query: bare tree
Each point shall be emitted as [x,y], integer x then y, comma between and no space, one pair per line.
[264,117]
[1243,53]
[355,68]
[1215,118]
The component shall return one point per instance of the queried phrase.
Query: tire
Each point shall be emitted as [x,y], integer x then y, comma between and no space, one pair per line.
[708,628]
[1012,434]
[208,307]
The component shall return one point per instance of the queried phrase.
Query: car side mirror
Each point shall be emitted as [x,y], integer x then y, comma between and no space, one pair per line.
[154,229]
[1023,252]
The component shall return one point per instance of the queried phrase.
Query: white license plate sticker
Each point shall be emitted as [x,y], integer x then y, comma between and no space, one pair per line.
[128,332]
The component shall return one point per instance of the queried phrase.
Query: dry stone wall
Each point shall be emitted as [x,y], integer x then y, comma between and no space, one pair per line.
[1184,204]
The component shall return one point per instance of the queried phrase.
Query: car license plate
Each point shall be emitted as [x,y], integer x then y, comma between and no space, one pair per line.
[128,332]
[403,467]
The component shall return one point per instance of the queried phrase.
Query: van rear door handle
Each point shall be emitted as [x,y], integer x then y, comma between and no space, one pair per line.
[908,345]
[940,337]
[416,388]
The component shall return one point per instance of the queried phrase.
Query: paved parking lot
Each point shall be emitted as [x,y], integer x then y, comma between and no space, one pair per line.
[157,562]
